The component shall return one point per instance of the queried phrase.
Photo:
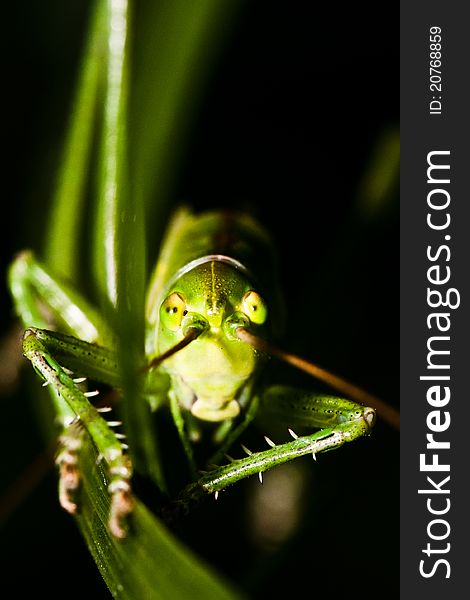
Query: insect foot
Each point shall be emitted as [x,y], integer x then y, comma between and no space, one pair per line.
[67,461]
[122,502]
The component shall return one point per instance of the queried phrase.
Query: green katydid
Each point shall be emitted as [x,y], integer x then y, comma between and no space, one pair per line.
[212,312]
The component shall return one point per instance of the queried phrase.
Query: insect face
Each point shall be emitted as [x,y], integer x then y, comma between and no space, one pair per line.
[209,374]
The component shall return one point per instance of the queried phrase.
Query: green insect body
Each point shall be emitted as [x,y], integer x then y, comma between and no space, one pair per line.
[212,305]
[202,279]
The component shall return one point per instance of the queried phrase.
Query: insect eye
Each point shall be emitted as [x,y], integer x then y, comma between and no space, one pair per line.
[173,310]
[254,307]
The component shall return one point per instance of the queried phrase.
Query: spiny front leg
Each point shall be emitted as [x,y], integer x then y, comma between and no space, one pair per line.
[86,420]
[41,300]
[67,457]
[341,421]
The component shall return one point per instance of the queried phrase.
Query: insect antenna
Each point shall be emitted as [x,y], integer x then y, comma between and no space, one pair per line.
[191,335]
[350,390]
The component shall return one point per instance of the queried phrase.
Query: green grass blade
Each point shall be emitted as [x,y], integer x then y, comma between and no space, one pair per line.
[62,251]
[150,562]
[119,256]
[377,190]
[111,193]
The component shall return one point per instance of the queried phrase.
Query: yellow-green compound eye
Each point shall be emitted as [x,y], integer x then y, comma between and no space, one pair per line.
[254,307]
[173,310]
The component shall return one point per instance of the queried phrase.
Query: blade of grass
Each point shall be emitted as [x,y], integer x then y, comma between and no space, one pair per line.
[62,239]
[377,189]
[149,563]
[119,257]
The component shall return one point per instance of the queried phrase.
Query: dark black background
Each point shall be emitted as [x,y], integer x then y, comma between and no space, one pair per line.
[287,126]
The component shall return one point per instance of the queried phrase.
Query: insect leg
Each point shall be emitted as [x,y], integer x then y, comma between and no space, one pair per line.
[234,434]
[43,301]
[98,363]
[181,427]
[341,421]
[70,442]
[297,407]
[107,443]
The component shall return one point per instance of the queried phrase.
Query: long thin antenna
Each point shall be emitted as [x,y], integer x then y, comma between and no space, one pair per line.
[384,410]
[192,334]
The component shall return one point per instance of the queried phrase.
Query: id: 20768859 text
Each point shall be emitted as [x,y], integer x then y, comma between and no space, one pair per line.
[435,70]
